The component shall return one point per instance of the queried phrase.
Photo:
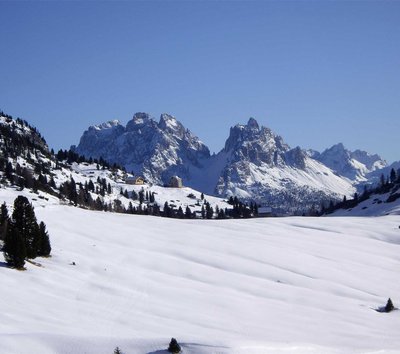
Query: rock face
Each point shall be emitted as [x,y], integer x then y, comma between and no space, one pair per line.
[255,164]
[355,165]
[155,150]
[260,166]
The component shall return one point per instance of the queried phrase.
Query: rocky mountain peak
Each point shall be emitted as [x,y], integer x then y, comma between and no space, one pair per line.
[138,120]
[253,124]
[371,161]
[169,122]
[351,164]
[107,125]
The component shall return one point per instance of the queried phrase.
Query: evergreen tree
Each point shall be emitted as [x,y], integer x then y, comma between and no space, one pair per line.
[180,213]
[14,248]
[389,306]
[44,245]
[118,351]
[382,179]
[174,347]
[188,213]
[141,196]
[24,222]
[4,220]
[392,175]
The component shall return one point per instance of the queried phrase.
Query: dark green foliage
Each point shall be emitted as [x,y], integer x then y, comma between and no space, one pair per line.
[209,211]
[174,347]
[188,213]
[389,306]
[141,196]
[393,176]
[118,351]
[14,248]
[24,238]
[4,220]
[44,246]
[24,221]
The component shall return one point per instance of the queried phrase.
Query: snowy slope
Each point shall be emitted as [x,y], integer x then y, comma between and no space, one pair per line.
[376,205]
[284,285]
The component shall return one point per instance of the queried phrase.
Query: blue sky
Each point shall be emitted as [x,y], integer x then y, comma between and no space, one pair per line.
[315,72]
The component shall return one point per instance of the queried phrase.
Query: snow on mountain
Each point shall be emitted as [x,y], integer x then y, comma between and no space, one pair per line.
[259,165]
[298,285]
[154,150]
[354,165]
[255,164]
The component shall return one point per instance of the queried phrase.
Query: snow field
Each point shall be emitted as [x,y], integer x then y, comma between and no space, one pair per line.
[287,285]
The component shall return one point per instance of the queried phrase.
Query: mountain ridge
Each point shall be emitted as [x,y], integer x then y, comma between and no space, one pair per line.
[255,163]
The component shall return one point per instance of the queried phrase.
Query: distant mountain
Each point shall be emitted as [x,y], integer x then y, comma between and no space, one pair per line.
[255,164]
[355,165]
[259,165]
[155,150]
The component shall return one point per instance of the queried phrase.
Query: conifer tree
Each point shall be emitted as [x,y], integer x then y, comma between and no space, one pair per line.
[188,212]
[389,306]
[44,245]
[4,219]
[392,175]
[24,222]
[14,248]
[174,347]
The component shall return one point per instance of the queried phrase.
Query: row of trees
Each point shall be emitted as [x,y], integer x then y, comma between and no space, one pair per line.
[23,237]
[390,183]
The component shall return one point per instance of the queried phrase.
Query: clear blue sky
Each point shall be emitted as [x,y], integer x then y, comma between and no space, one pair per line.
[315,72]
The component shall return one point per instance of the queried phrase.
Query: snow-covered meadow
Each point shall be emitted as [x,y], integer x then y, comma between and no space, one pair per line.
[282,285]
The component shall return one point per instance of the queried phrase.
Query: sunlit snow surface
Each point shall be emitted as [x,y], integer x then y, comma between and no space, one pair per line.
[284,285]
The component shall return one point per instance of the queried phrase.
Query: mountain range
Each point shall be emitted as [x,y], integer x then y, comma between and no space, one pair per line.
[255,164]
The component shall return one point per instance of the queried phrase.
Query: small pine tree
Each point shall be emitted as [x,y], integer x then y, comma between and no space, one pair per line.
[188,213]
[174,347]
[44,246]
[4,220]
[392,175]
[389,306]
[118,351]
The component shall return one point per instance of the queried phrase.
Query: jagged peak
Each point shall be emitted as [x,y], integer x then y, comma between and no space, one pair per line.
[107,125]
[252,123]
[168,121]
[138,120]
[141,118]
[338,146]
